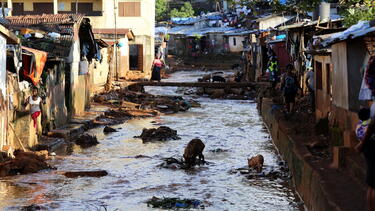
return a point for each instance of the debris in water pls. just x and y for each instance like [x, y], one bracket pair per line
[162, 133]
[76, 174]
[218, 150]
[171, 203]
[87, 140]
[108, 129]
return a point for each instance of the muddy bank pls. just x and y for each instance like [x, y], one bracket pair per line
[24, 163]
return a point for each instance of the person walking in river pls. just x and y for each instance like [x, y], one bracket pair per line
[35, 102]
[289, 87]
[157, 64]
[367, 147]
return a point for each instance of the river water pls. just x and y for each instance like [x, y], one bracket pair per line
[233, 126]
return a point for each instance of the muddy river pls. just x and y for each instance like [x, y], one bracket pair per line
[233, 126]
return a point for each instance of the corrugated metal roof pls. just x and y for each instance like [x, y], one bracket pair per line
[306, 24]
[362, 28]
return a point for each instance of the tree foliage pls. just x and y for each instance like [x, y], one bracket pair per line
[357, 10]
[161, 10]
[185, 11]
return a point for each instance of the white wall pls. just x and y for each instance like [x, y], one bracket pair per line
[236, 46]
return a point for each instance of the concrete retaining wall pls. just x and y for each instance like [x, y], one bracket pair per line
[307, 181]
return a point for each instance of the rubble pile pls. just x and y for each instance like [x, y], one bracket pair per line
[23, 163]
[162, 133]
[137, 103]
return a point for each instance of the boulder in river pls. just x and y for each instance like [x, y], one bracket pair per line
[162, 133]
[87, 140]
[108, 129]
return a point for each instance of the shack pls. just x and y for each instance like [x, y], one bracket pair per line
[6, 38]
[352, 57]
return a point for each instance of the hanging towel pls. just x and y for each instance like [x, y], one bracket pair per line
[33, 65]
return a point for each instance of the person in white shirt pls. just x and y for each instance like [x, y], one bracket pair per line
[35, 108]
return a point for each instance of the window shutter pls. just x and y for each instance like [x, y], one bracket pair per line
[121, 9]
[129, 9]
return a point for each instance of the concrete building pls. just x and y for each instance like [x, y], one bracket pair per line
[115, 21]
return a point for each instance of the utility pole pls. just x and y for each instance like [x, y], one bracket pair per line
[115, 45]
[2, 9]
[76, 6]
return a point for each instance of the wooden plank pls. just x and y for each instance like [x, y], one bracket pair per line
[199, 84]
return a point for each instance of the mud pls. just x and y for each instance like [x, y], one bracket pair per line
[162, 133]
[23, 163]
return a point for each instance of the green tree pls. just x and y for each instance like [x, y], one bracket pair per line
[357, 10]
[185, 11]
[161, 8]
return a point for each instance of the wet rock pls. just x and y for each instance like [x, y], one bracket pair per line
[218, 93]
[162, 133]
[23, 163]
[87, 140]
[174, 203]
[76, 174]
[108, 129]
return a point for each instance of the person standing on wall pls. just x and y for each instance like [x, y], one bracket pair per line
[157, 64]
[289, 87]
[310, 85]
[35, 102]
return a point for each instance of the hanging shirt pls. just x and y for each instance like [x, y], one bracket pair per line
[34, 104]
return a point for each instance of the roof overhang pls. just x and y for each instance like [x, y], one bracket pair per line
[10, 36]
[127, 32]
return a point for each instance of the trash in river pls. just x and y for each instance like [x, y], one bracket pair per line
[173, 163]
[271, 173]
[171, 203]
[162, 133]
[108, 129]
[218, 150]
[193, 150]
[76, 174]
[23, 163]
[87, 140]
